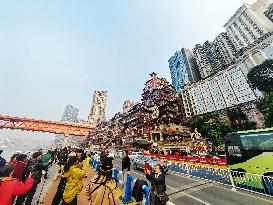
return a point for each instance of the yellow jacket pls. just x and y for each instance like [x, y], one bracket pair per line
[74, 181]
[88, 161]
[103, 194]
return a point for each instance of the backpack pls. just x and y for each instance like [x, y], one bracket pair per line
[138, 191]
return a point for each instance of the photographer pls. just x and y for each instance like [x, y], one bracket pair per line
[62, 156]
[12, 187]
[158, 194]
[19, 167]
[34, 166]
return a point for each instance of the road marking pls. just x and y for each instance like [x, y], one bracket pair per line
[197, 199]
[182, 176]
[218, 185]
[182, 193]
[239, 191]
[193, 186]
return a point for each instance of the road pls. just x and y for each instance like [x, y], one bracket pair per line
[192, 191]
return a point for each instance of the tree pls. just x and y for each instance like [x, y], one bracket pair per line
[212, 126]
[261, 76]
[218, 130]
[266, 107]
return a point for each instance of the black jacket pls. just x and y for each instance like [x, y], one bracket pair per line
[126, 163]
[35, 166]
[138, 191]
[158, 181]
[103, 155]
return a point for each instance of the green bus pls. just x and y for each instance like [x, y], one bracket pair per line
[250, 158]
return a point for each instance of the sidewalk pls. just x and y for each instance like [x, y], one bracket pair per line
[47, 200]
[45, 185]
[82, 199]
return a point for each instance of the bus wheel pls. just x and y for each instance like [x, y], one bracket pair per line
[267, 181]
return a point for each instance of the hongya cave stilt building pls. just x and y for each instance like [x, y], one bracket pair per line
[157, 120]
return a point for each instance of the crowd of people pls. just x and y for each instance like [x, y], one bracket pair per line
[21, 175]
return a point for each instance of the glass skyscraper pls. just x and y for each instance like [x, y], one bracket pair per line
[183, 69]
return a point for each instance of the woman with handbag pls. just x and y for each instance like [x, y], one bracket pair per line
[158, 194]
[102, 189]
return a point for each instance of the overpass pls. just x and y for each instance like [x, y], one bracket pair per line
[27, 124]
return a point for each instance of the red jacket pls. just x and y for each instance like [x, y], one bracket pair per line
[19, 169]
[10, 188]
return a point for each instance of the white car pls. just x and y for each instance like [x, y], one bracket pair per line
[140, 162]
[118, 154]
[134, 155]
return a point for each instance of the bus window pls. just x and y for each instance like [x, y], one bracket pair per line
[259, 141]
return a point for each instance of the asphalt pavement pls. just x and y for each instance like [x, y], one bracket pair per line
[183, 190]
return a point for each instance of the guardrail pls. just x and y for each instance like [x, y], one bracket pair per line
[128, 191]
[128, 186]
[193, 159]
[236, 180]
[253, 182]
[95, 164]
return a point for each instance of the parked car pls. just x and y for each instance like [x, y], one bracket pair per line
[119, 154]
[140, 161]
[134, 155]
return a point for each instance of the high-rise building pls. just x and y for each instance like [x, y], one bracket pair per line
[269, 12]
[191, 65]
[248, 24]
[183, 69]
[263, 51]
[97, 113]
[224, 50]
[212, 56]
[225, 89]
[228, 87]
[70, 114]
[202, 60]
[261, 6]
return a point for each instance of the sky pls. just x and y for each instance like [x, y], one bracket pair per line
[54, 53]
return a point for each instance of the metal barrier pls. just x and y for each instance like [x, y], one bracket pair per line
[92, 161]
[237, 180]
[95, 164]
[128, 191]
[253, 182]
[116, 176]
